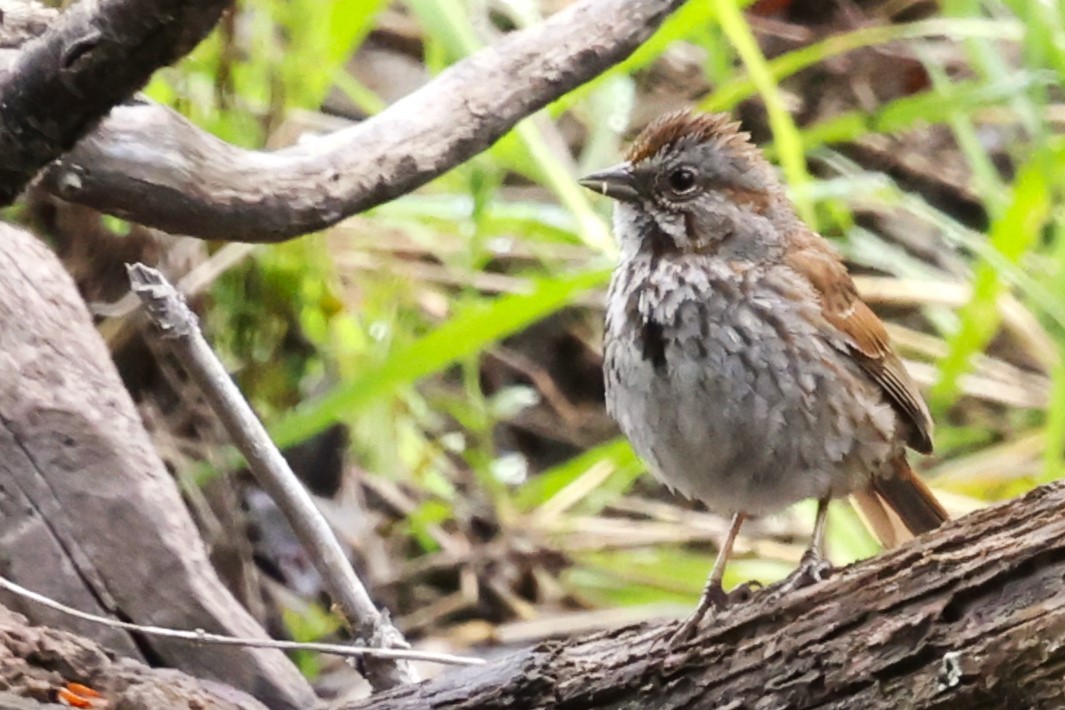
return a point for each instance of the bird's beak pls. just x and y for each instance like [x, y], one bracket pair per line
[617, 182]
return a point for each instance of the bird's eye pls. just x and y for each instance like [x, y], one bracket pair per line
[682, 180]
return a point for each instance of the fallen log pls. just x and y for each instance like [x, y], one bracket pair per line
[969, 616]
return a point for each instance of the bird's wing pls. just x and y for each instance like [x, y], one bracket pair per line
[861, 332]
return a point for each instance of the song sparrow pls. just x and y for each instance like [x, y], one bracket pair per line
[740, 361]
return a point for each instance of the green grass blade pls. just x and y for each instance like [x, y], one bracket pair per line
[924, 108]
[448, 21]
[1012, 234]
[786, 136]
[740, 88]
[470, 331]
[540, 489]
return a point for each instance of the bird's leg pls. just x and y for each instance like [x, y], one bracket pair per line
[714, 595]
[814, 567]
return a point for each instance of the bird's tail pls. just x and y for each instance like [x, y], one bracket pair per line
[899, 507]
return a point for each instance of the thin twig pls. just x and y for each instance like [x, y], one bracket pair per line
[168, 310]
[201, 636]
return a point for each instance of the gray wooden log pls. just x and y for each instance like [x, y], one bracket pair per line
[88, 513]
[969, 616]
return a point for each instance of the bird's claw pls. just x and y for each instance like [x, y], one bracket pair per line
[714, 598]
[813, 568]
[742, 593]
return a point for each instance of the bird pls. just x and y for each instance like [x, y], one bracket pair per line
[739, 359]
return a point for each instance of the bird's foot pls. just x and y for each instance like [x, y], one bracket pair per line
[714, 598]
[813, 568]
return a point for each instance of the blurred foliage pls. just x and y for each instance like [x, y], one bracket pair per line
[386, 323]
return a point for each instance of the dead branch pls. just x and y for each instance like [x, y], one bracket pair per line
[181, 328]
[94, 55]
[199, 636]
[149, 165]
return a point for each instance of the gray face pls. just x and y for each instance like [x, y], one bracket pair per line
[695, 197]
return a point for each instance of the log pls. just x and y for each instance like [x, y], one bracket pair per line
[36, 662]
[969, 616]
[89, 515]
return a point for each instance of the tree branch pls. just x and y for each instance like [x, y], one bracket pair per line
[149, 165]
[179, 325]
[93, 56]
[972, 615]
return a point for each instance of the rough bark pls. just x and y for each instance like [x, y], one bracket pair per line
[970, 616]
[91, 57]
[88, 513]
[147, 164]
[36, 662]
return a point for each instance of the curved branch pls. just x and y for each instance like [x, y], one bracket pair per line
[90, 58]
[970, 616]
[149, 165]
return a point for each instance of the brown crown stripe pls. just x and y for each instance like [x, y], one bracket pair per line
[671, 127]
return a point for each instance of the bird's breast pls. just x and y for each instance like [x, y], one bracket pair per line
[729, 391]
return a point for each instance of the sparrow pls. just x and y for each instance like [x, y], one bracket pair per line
[739, 359]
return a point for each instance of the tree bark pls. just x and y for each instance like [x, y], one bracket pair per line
[969, 616]
[94, 55]
[88, 513]
[36, 662]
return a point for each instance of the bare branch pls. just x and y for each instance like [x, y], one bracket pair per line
[93, 56]
[149, 165]
[169, 311]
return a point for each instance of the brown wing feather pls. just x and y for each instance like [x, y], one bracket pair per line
[863, 333]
